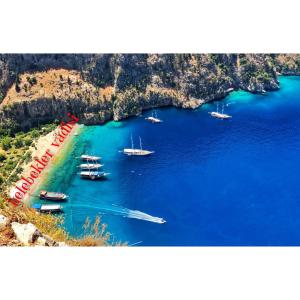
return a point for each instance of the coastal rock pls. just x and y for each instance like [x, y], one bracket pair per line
[193, 103]
[25, 233]
[3, 222]
[41, 241]
[62, 244]
[100, 87]
[49, 241]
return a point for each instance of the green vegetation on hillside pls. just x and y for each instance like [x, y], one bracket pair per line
[15, 150]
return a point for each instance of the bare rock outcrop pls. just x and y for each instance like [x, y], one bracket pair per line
[29, 235]
[36, 88]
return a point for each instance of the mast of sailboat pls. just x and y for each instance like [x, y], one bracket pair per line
[217, 106]
[223, 109]
[140, 143]
[131, 142]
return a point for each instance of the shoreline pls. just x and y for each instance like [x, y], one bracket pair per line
[42, 144]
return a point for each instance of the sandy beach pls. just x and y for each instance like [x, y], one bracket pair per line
[41, 145]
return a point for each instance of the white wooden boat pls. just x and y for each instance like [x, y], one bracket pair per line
[48, 208]
[93, 175]
[90, 166]
[90, 158]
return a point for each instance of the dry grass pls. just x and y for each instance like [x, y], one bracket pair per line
[55, 84]
[95, 234]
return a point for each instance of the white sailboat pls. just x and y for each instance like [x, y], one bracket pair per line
[220, 115]
[153, 119]
[136, 152]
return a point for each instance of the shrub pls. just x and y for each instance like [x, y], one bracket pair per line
[2, 156]
[19, 142]
[28, 141]
[27, 156]
[34, 133]
[6, 143]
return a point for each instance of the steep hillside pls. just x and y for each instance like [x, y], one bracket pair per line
[35, 89]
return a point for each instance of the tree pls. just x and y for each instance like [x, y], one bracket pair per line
[34, 133]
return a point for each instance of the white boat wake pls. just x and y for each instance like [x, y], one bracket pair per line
[126, 213]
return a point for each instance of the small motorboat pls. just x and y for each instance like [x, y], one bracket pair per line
[90, 166]
[93, 175]
[90, 158]
[51, 196]
[48, 208]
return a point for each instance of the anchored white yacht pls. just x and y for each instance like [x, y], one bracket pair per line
[220, 115]
[153, 118]
[136, 152]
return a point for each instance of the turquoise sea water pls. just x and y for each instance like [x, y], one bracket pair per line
[216, 182]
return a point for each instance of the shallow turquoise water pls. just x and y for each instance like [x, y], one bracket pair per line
[215, 182]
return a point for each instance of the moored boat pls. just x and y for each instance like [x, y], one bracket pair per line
[153, 119]
[93, 175]
[136, 152]
[220, 115]
[90, 158]
[51, 196]
[90, 166]
[48, 208]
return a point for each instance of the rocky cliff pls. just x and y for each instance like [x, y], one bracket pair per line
[98, 87]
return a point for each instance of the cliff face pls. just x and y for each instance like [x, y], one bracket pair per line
[98, 87]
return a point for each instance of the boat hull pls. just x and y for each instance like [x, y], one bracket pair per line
[90, 158]
[137, 152]
[51, 208]
[90, 166]
[220, 116]
[153, 120]
[93, 176]
[50, 196]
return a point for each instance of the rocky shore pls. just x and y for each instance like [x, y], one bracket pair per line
[36, 89]
[26, 234]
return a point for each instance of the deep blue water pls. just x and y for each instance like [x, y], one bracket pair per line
[216, 182]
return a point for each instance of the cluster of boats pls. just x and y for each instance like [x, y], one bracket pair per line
[50, 196]
[90, 169]
[140, 151]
